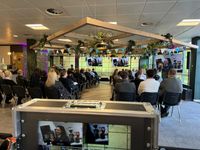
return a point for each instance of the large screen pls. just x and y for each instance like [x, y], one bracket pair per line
[123, 61]
[94, 61]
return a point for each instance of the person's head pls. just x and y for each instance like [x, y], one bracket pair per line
[150, 73]
[69, 72]
[2, 75]
[63, 73]
[115, 72]
[124, 75]
[172, 73]
[8, 74]
[52, 77]
[60, 130]
[20, 72]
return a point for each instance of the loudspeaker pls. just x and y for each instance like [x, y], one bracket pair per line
[188, 60]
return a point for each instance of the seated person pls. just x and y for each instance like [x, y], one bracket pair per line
[21, 80]
[137, 81]
[53, 82]
[8, 78]
[170, 84]
[150, 84]
[124, 86]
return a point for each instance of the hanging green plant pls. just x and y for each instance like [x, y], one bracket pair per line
[44, 41]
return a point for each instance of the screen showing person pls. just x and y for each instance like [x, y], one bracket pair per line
[59, 134]
[94, 61]
[123, 61]
[96, 133]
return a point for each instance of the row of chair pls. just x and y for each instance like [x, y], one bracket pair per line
[169, 99]
[17, 91]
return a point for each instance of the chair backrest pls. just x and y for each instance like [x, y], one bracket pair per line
[171, 99]
[52, 92]
[125, 96]
[6, 89]
[149, 97]
[19, 91]
[5, 145]
[35, 92]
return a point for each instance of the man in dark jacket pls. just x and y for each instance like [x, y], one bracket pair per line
[170, 84]
[125, 86]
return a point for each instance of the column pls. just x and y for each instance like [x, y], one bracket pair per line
[195, 69]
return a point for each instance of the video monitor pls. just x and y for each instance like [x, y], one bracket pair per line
[94, 61]
[96, 134]
[121, 62]
[52, 135]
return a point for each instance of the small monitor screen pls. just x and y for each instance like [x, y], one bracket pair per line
[57, 134]
[123, 61]
[96, 134]
[94, 61]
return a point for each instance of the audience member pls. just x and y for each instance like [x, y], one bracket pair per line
[166, 67]
[141, 74]
[35, 78]
[124, 86]
[170, 84]
[8, 78]
[137, 81]
[150, 84]
[21, 80]
[53, 82]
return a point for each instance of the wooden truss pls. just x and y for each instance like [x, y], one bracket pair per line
[126, 32]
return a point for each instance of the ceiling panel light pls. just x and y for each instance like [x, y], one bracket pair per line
[15, 35]
[65, 40]
[37, 26]
[112, 22]
[189, 22]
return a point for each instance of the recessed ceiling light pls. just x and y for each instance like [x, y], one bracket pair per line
[189, 22]
[37, 26]
[65, 40]
[144, 24]
[15, 35]
[9, 53]
[53, 11]
[112, 22]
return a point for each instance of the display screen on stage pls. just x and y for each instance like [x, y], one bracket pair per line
[83, 136]
[94, 61]
[123, 61]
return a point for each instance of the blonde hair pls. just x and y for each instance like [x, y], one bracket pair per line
[2, 74]
[51, 78]
[8, 74]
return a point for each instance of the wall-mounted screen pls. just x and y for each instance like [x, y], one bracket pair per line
[94, 61]
[123, 61]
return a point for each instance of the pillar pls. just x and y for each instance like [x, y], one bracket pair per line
[195, 69]
[31, 57]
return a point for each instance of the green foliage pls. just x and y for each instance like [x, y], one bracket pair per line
[44, 41]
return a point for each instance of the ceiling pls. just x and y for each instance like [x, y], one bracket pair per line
[164, 14]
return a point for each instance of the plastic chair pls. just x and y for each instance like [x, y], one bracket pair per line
[6, 91]
[149, 97]
[125, 96]
[19, 92]
[35, 92]
[172, 99]
[52, 93]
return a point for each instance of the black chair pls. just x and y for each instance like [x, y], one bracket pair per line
[19, 92]
[35, 92]
[149, 97]
[125, 96]
[6, 93]
[172, 99]
[52, 93]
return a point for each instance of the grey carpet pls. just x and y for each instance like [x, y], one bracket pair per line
[185, 134]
